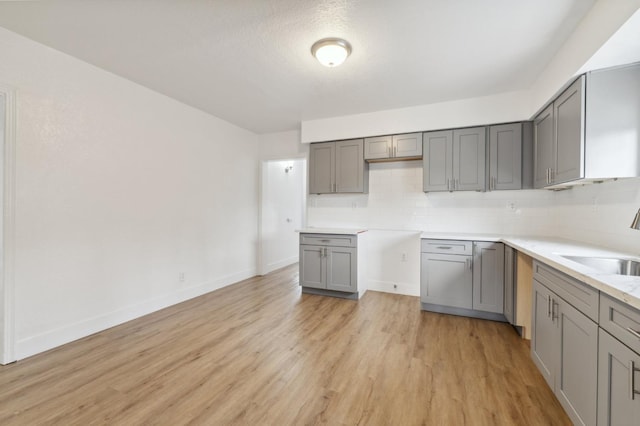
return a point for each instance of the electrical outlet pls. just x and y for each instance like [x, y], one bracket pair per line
[181, 277]
[404, 257]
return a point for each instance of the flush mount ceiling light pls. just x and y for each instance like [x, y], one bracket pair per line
[331, 52]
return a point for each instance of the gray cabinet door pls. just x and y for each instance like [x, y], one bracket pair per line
[544, 334]
[312, 267]
[377, 148]
[446, 280]
[407, 145]
[437, 161]
[322, 167]
[469, 159]
[341, 269]
[505, 157]
[569, 134]
[488, 277]
[509, 284]
[543, 147]
[576, 376]
[349, 166]
[616, 404]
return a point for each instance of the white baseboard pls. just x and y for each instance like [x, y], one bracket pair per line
[50, 339]
[400, 288]
[280, 264]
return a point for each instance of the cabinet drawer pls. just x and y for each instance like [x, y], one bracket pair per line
[621, 320]
[447, 247]
[329, 240]
[580, 295]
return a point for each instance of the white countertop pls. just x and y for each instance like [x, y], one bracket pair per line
[461, 236]
[549, 251]
[337, 231]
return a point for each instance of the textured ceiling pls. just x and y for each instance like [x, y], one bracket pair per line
[248, 62]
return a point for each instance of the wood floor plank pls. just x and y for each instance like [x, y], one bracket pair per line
[260, 352]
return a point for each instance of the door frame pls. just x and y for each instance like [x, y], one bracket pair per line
[7, 228]
[262, 267]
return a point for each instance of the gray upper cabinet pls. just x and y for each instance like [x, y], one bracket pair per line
[578, 137]
[488, 277]
[454, 160]
[396, 147]
[377, 148]
[322, 167]
[543, 147]
[407, 146]
[469, 159]
[338, 167]
[505, 156]
[568, 112]
[437, 161]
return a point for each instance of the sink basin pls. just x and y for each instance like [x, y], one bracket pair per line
[609, 265]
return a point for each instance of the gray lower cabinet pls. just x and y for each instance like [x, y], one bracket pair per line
[446, 280]
[559, 138]
[564, 347]
[462, 278]
[329, 263]
[488, 277]
[338, 167]
[618, 383]
[618, 363]
[510, 284]
[454, 160]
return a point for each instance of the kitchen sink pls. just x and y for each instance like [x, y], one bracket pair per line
[609, 265]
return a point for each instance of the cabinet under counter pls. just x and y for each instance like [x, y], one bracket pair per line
[333, 264]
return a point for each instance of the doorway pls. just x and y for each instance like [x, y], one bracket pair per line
[282, 211]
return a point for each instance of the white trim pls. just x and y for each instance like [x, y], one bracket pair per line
[7, 228]
[50, 339]
[280, 264]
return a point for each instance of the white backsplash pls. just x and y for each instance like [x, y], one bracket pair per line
[598, 214]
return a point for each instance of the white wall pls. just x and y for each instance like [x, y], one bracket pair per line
[601, 23]
[499, 108]
[119, 191]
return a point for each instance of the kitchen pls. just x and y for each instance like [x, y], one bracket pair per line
[58, 227]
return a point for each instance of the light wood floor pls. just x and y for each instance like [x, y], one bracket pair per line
[260, 353]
